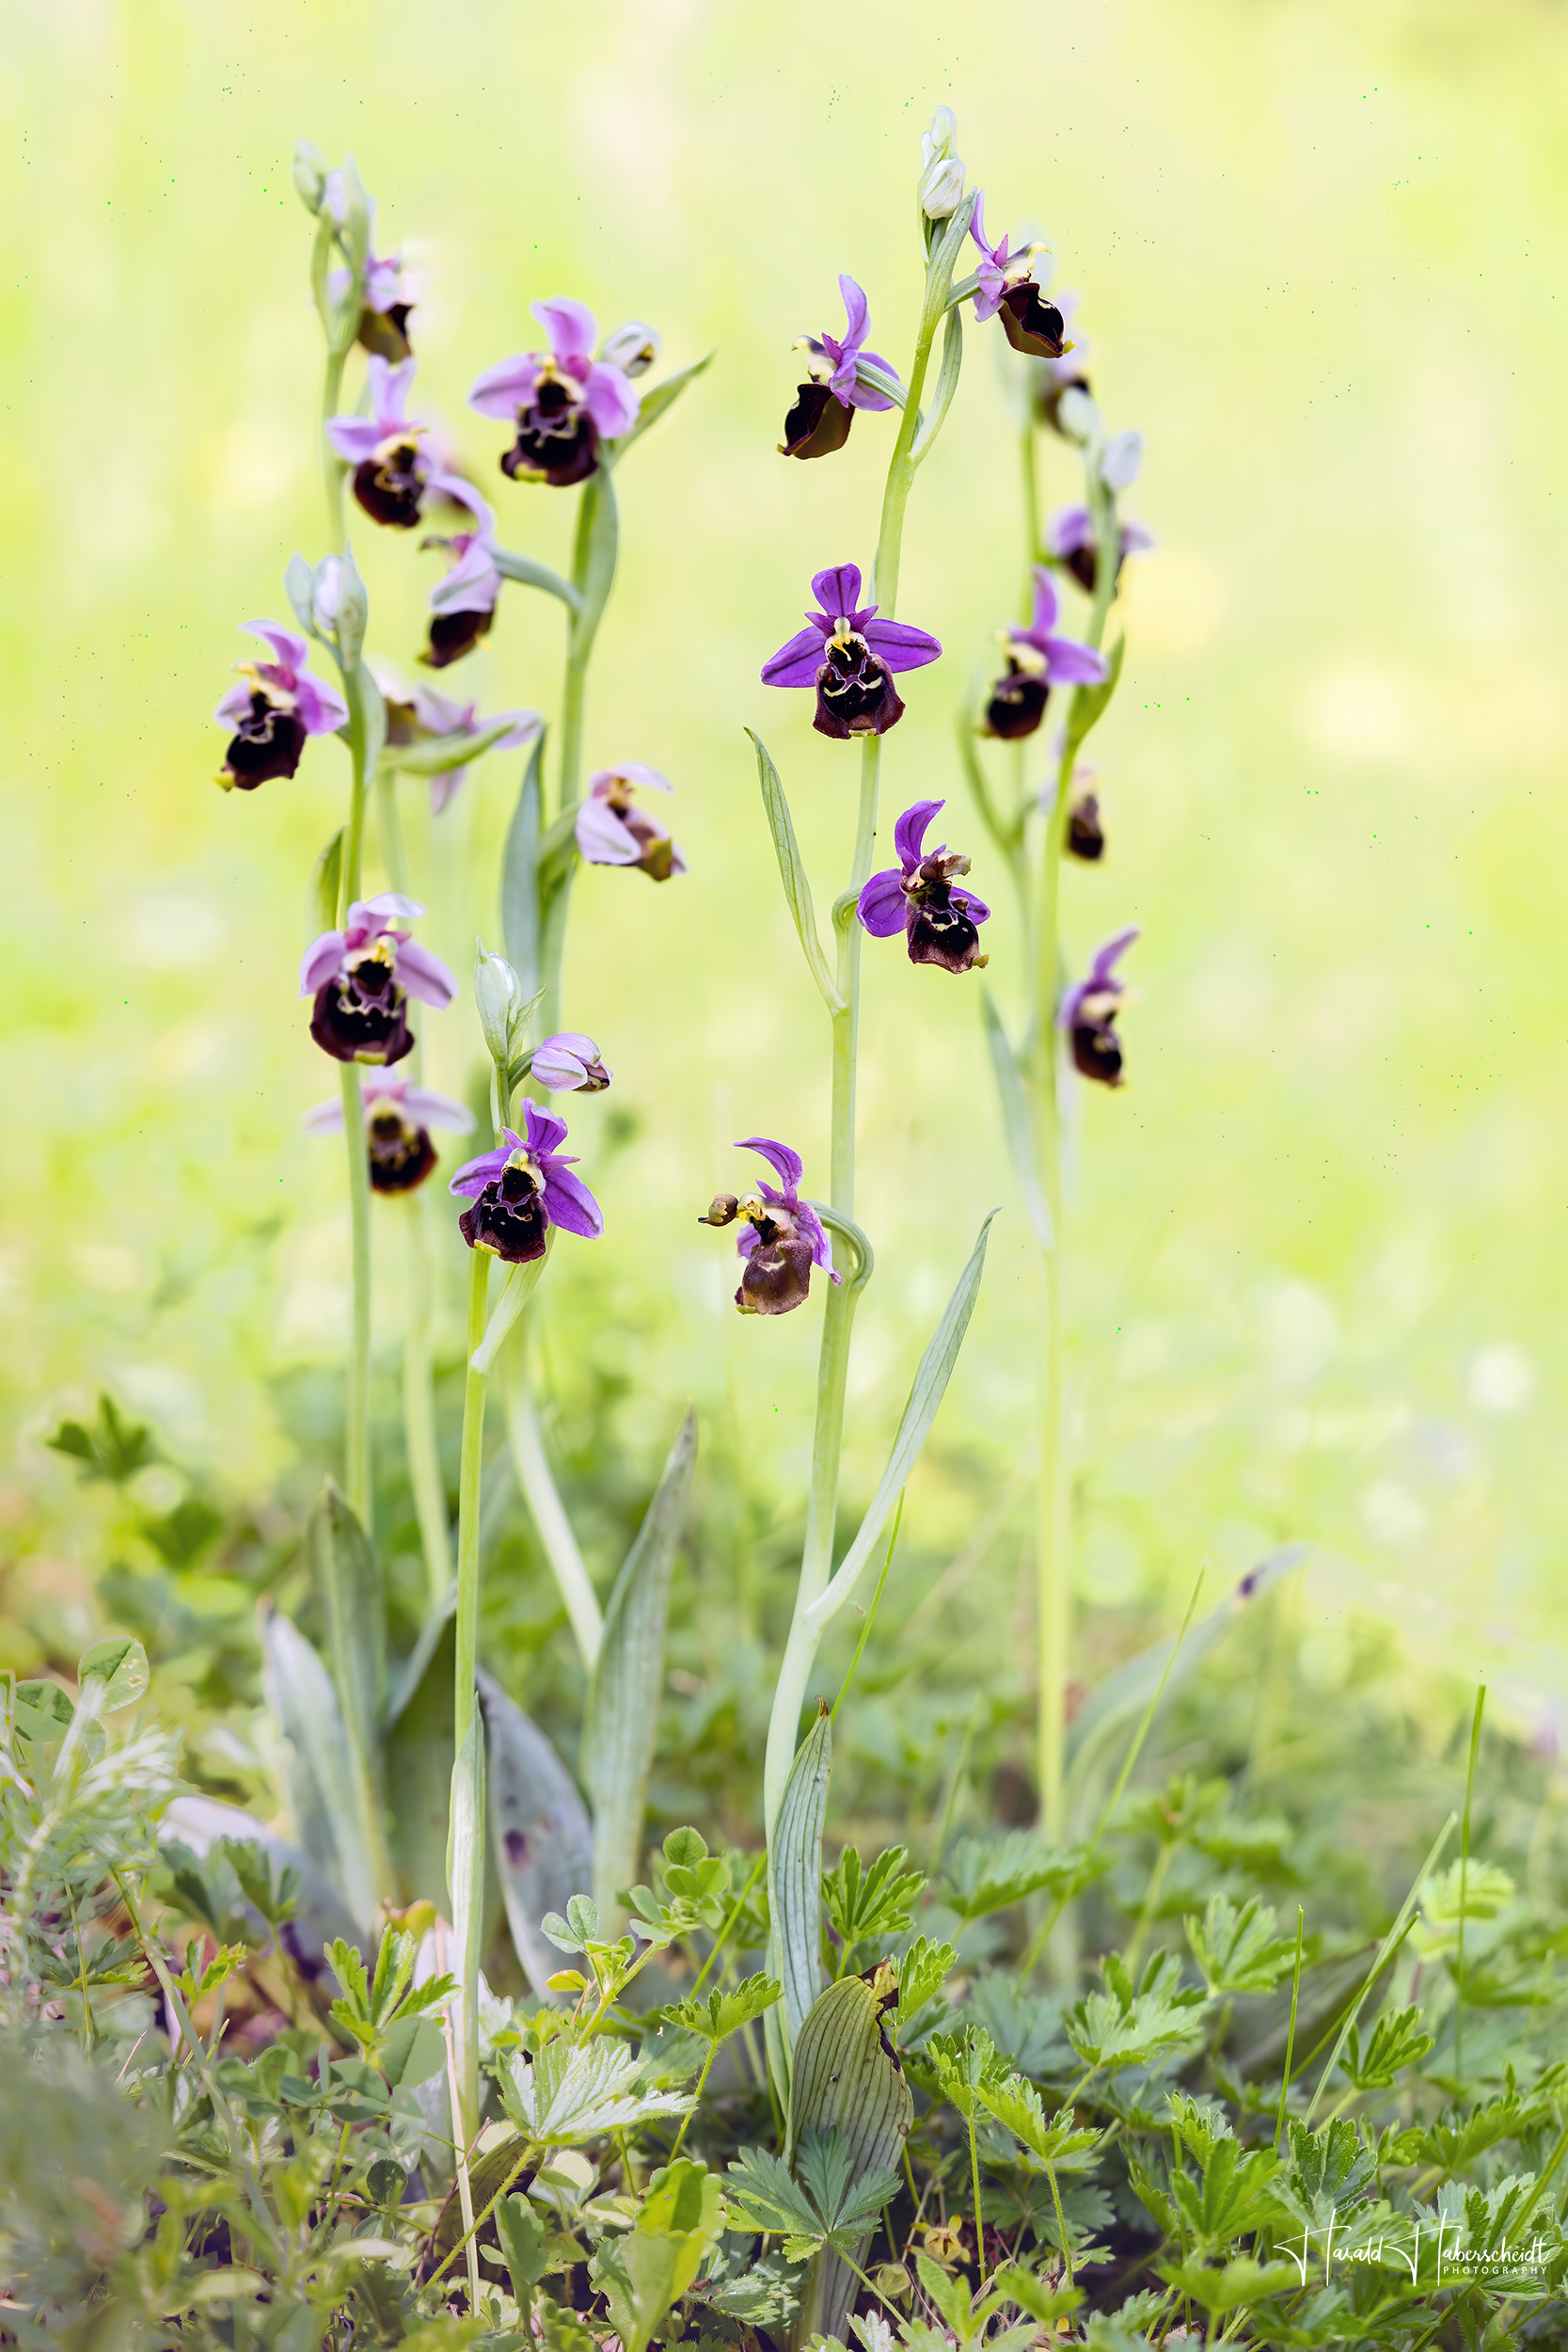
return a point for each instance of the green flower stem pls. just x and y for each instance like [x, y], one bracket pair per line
[418, 1409]
[581, 632]
[469, 1901]
[418, 1380]
[1030, 476]
[1053, 1564]
[357, 1421]
[839, 1313]
[333, 466]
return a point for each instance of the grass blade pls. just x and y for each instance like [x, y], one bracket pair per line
[792, 873]
[1016, 1121]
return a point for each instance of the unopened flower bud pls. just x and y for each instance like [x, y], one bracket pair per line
[499, 995]
[942, 171]
[720, 1210]
[327, 590]
[632, 348]
[1119, 460]
[309, 175]
[1077, 418]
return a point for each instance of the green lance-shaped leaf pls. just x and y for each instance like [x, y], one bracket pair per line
[1017, 1125]
[947, 384]
[622, 1723]
[659, 398]
[795, 1883]
[416, 1750]
[846, 2078]
[353, 1602]
[119, 1666]
[520, 917]
[792, 873]
[931, 1386]
[1095, 1740]
[318, 1766]
[528, 574]
[539, 1829]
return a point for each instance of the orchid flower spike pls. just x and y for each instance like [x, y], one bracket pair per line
[563, 402]
[275, 710]
[391, 471]
[569, 1064]
[1007, 287]
[398, 1119]
[1070, 537]
[784, 1237]
[611, 832]
[417, 714]
[1088, 1012]
[462, 606]
[1037, 661]
[522, 1188]
[849, 657]
[363, 977]
[917, 896]
[826, 403]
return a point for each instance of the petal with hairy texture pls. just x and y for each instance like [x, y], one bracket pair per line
[786, 1165]
[882, 906]
[795, 663]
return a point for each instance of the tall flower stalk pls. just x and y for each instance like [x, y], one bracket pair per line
[944, 237]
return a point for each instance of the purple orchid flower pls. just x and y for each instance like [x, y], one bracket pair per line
[784, 1237]
[361, 979]
[522, 1188]
[1070, 536]
[826, 403]
[1037, 660]
[417, 714]
[275, 711]
[398, 1119]
[462, 606]
[1007, 288]
[1089, 1009]
[917, 896]
[849, 657]
[570, 1064]
[391, 472]
[563, 402]
[383, 327]
[611, 832]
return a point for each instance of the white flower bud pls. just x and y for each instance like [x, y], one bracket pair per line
[326, 593]
[351, 606]
[1077, 415]
[940, 139]
[632, 348]
[1119, 460]
[309, 175]
[499, 995]
[942, 189]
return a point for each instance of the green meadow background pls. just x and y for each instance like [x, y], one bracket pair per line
[1317, 1242]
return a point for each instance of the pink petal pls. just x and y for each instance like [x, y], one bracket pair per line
[570, 1204]
[909, 832]
[882, 906]
[634, 772]
[1068, 663]
[543, 1132]
[507, 387]
[602, 838]
[320, 960]
[425, 975]
[353, 437]
[569, 326]
[786, 1165]
[438, 1110]
[289, 651]
[612, 400]
[797, 663]
[322, 709]
[899, 646]
[837, 591]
